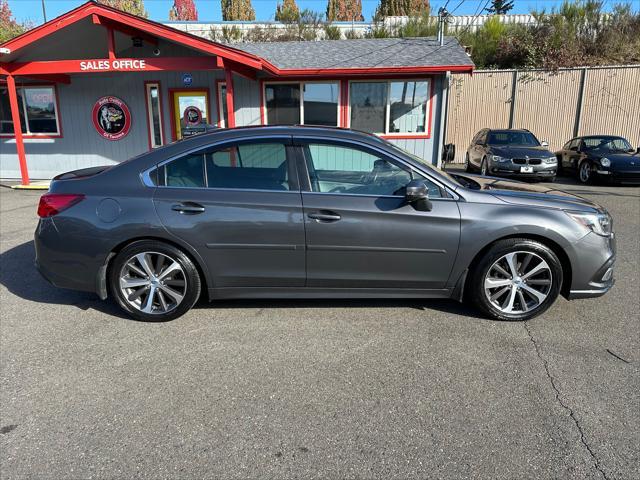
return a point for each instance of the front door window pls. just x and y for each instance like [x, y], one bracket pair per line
[191, 112]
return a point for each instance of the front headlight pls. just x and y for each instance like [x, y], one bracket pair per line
[499, 159]
[600, 223]
[605, 162]
[550, 160]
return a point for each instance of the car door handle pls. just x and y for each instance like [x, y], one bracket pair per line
[188, 208]
[324, 216]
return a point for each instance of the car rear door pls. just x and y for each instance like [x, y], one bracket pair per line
[238, 204]
[360, 231]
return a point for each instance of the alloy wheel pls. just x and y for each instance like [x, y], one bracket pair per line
[518, 282]
[585, 172]
[153, 283]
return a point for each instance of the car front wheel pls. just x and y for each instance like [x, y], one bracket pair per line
[584, 172]
[154, 281]
[484, 169]
[467, 164]
[517, 279]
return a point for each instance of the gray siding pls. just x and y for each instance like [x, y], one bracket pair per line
[81, 146]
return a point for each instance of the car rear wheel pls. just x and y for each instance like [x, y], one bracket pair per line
[154, 281]
[517, 279]
[584, 172]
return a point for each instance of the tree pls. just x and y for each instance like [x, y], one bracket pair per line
[237, 10]
[9, 28]
[500, 7]
[402, 8]
[287, 11]
[344, 11]
[183, 10]
[134, 7]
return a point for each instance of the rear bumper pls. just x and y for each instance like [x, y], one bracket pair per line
[58, 261]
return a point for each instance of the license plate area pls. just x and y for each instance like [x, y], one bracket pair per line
[526, 169]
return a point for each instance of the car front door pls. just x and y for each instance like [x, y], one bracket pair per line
[239, 206]
[361, 233]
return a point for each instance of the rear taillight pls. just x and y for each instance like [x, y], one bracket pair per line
[53, 203]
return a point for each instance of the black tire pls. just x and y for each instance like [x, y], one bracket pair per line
[189, 276]
[549, 179]
[476, 284]
[467, 164]
[484, 168]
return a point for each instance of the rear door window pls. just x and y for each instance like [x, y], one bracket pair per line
[249, 166]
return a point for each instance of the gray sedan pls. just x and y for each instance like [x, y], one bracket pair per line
[302, 212]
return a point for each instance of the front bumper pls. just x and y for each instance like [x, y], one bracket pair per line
[509, 169]
[620, 176]
[592, 275]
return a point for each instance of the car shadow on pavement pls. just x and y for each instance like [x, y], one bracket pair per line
[19, 275]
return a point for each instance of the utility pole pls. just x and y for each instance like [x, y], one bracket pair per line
[443, 14]
[44, 12]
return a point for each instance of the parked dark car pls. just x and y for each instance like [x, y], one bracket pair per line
[604, 157]
[306, 212]
[510, 153]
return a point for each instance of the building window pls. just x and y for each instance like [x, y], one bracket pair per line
[37, 104]
[223, 114]
[307, 103]
[154, 112]
[390, 107]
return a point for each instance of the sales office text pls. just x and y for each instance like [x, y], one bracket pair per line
[125, 64]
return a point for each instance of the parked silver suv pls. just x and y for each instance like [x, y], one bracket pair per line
[511, 153]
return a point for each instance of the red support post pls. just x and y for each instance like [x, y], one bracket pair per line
[231, 113]
[111, 44]
[17, 128]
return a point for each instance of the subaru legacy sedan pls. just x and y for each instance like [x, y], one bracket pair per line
[312, 212]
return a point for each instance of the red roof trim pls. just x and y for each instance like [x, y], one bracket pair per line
[148, 26]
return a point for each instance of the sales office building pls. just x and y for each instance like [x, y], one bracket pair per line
[97, 86]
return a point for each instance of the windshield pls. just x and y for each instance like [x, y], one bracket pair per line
[513, 138]
[424, 163]
[609, 144]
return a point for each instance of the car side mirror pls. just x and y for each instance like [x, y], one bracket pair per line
[449, 153]
[417, 195]
[545, 144]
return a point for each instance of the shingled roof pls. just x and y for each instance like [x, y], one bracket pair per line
[367, 53]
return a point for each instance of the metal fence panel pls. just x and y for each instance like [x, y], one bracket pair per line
[611, 103]
[481, 100]
[546, 104]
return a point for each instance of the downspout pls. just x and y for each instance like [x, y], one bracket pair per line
[443, 118]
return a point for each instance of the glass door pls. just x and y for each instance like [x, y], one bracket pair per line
[190, 112]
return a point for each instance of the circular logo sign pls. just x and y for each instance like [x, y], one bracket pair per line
[192, 116]
[111, 118]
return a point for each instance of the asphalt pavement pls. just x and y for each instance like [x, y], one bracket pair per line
[317, 389]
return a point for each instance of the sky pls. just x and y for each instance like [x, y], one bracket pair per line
[209, 10]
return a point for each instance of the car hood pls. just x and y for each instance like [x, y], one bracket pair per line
[521, 193]
[512, 151]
